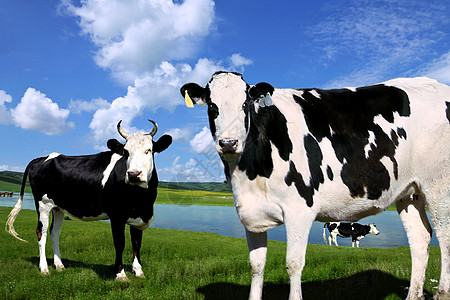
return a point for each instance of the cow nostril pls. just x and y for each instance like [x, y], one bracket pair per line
[228, 145]
[133, 176]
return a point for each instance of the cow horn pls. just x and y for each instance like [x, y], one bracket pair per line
[121, 131]
[155, 128]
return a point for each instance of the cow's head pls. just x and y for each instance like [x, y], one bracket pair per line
[228, 98]
[373, 229]
[139, 150]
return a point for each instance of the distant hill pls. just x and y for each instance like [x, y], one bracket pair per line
[196, 186]
[15, 178]
[12, 181]
[11, 177]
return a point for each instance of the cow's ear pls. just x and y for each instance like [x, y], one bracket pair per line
[115, 146]
[162, 144]
[260, 89]
[194, 94]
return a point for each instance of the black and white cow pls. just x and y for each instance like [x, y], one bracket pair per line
[119, 185]
[293, 156]
[354, 230]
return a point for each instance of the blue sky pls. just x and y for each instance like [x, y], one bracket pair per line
[70, 70]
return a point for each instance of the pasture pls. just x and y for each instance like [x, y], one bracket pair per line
[194, 265]
[193, 197]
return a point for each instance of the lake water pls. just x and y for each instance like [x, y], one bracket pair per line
[224, 221]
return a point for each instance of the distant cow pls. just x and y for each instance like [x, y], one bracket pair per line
[354, 230]
[2, 194]
[9, 194]
[293, 156]
[119, 185]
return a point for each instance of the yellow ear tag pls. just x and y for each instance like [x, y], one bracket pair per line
[188, 100]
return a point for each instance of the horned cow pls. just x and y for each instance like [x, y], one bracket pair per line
[120, 185]
[293, 156]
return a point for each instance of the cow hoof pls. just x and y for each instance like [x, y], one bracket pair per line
[59, 267]
[121, 276]
[140, 274]
[45, 272]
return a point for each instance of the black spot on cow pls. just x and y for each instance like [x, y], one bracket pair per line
[213, 113]
[394, 137]
[346, 118]
[267, 126]
[305, 191]
[401, 133]
[330, 173]
[226, 169]
[447, 111]
[315, 158]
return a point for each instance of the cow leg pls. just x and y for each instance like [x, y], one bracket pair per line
[45, 207]
[335, 239]
[418, 231]
[257, 246]
[353, 243]
[297, 239]
[58, 218]
[443, 236]
[136, 241]
[118, 232]
[440, 217]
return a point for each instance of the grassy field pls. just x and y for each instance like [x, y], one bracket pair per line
[186, 197]
[179, 197]
[166, 195]
[194, 265]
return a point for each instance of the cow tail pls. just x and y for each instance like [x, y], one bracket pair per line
[17, 208]
[324, 233]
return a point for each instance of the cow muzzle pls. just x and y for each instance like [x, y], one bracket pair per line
[134, 176]
[228, 146]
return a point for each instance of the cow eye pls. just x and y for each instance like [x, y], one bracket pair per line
[148, 151]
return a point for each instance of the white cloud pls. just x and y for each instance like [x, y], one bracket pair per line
[37, 112]
[204, 166]
[135, 36]
[180, 134]
[383, 28]
[439, 69]
[143, 44]
[375, 40]
[203, 142]
[193, 170]
[11, 168]
[238, 62]
[5, 117]
[79, 106]
[153, 90]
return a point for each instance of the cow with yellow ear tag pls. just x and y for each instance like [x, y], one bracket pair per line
[293, 156]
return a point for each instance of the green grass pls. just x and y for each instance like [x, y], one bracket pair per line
[193, 265]
[192, 197]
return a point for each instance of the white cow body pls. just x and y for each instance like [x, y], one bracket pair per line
[359, 165]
